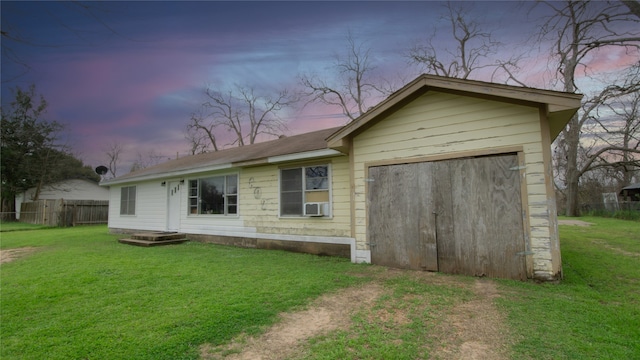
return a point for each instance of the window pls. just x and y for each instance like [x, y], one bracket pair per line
[214, 195]
[300, 185]
[128, 200]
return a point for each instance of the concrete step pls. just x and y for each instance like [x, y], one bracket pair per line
[147, 243]
[158, 236]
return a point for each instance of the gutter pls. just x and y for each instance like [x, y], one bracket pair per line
[163, 175]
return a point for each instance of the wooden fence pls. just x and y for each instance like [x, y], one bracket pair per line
[62, 212]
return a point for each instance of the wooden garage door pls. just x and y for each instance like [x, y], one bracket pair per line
[461, 216]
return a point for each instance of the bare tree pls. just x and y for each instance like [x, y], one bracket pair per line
[354, 87]
[239, 111]
[475, 49]
[113, 151]
[201, 132]
[615, 130]
[146, 160]
[610, 131]
[577, 30]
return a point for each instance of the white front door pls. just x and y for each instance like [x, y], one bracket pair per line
[175, 201]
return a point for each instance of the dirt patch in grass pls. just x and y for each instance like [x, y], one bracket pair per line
[474, 329]
[605, 245]
[286, 338]
[574, 222]
[9, 255]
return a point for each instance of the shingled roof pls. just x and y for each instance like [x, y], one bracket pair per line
[311, 144]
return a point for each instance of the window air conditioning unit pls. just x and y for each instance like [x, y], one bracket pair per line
[316, 209]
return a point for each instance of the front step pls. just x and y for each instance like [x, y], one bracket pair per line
[155, 238]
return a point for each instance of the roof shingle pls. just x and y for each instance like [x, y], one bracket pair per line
[284, 146]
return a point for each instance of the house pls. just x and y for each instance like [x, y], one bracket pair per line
[71, 189]
[444, 175]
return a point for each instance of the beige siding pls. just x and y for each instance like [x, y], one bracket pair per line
[440, 124]
[259, 199]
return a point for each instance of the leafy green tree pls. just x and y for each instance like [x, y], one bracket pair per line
[30, 148]
[70, 167]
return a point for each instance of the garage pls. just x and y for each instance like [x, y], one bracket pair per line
[456, 216]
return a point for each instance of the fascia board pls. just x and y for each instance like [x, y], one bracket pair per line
[165, 175]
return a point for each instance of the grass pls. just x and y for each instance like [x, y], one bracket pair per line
[633, 215]
[18, 226]
[594, 313]
[83, 295]
[401, 325]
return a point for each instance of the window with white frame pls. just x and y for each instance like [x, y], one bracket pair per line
[214, 195]
[303, 185]
[128, 200]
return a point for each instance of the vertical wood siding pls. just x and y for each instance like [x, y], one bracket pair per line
[459, 216]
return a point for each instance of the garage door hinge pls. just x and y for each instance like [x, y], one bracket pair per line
[522, 167]
[524, 253]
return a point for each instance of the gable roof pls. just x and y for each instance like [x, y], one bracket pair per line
[304, 146]
[560, 106]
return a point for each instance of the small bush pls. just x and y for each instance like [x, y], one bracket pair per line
[632, 215]
[627, 215]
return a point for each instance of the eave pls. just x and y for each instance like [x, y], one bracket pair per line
[303, 156]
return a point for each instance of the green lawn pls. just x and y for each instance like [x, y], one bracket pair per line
[594, 313]
[82, 295]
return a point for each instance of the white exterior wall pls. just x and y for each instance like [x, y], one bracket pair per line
[74, 189]
[258, 208]
[151, 207]
[440, 124]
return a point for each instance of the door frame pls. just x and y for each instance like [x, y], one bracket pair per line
[174, 188]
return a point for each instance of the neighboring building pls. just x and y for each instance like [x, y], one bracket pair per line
[72, 189]
[631, 192]
[444, 175]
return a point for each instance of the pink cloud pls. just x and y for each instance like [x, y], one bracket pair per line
[611, 59]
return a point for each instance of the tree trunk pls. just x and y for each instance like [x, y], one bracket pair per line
[8, 207]
[572, 193]
[572, 139]
[36, 194]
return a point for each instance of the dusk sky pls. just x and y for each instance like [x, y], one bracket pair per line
[133, 72]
